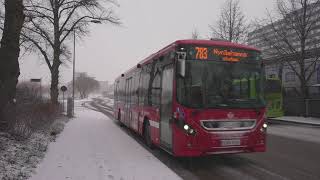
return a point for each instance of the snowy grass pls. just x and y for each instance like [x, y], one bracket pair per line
[19, 157]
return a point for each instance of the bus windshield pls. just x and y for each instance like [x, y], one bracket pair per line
[216, 84]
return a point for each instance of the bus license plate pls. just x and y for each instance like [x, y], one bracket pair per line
[230, 142]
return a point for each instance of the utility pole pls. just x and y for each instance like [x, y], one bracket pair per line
[74, 62]
[73, 68]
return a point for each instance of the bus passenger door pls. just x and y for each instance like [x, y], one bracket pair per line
[166, 107]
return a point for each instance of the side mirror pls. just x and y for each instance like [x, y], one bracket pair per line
[181, 67]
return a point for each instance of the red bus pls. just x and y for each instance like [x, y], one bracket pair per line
[195, 98]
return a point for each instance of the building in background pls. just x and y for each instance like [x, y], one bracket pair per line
[272, 60]
[281, 41]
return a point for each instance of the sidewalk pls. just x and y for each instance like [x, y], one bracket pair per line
[298, 120]
[94, 147]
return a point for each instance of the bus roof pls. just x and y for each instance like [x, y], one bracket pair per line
[199, 43]
[172, 46]
[216, 43]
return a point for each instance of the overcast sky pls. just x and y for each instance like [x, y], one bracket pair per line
[148, 25]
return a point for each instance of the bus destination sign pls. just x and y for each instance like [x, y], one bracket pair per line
[220, 53]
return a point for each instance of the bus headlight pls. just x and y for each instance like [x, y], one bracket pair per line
[183, 125]
[265, 126]
[189, 130]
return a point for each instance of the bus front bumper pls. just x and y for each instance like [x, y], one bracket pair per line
[209, 143]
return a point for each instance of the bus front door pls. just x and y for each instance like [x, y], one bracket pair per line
[166, 107]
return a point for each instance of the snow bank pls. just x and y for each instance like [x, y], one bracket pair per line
[93, 147]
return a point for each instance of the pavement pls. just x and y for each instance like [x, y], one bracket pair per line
[94, 147]
[313, 121]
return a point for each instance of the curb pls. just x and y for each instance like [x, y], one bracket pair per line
[281, 121]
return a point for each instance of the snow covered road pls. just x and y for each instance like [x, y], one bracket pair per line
[93, 147]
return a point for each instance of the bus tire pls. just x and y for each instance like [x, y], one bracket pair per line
[147, 134]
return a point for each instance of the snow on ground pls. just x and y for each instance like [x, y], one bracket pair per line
[19, 158]
[107, 101]
[110, 102]
[93, 147]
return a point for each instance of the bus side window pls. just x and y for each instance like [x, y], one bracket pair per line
[156, 90]
[140, 89]
[116, 91]
[135, 88]
[146, 79]
[122, 91]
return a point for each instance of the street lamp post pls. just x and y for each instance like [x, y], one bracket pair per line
[74, 62]
[73, 68]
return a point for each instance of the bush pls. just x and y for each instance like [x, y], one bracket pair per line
[30, 113]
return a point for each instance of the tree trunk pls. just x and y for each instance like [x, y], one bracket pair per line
[303, 86]
[54, 90]
[9, 52]
[280, 70]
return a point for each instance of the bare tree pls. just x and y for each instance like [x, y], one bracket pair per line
[195, 34]
[292, 39]
[86, 85]
[9, 51]
[50, 24]
[232, 24]
[1, 16]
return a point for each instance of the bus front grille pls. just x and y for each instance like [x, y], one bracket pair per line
[220, 125]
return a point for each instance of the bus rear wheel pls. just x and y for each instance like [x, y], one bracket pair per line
[147, 135]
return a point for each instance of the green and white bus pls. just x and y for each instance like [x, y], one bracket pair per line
[273, 97]
[273, 93]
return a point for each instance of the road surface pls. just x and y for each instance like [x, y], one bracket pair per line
[293, 153]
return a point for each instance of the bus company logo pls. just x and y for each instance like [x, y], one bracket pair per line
[230, 115]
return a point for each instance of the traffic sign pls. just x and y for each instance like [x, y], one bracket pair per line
[63, 88]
